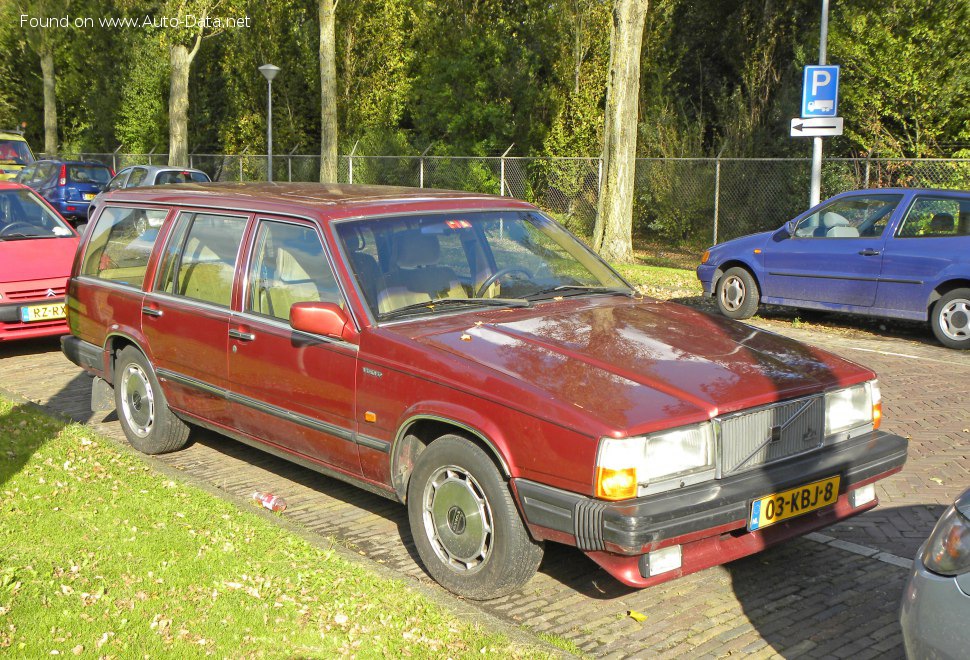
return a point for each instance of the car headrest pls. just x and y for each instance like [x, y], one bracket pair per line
[942, 222]
[415, 249]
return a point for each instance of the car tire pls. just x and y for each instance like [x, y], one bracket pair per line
[465, 524]
[737, 294]
[950, 319]
[150, 426]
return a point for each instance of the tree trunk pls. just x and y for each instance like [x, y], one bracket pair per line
[328, 93]
[613, 232]
[178, 105]
[50, 100]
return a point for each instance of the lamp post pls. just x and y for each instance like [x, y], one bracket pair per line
[269, 72]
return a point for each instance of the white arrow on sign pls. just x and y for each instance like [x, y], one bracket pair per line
[816, 127]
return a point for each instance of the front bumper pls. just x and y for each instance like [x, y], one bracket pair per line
[934, 614]
[705, 273]
[12, 327]
[711, 516]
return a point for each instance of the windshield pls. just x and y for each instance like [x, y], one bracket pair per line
[421, 264]
[15, 152]
[23, 215]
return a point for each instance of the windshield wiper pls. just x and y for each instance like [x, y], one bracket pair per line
[432, 306]
[565, 290]
[20, 237]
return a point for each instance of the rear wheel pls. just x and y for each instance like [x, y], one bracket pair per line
[950, 319]
[465, 524]
[150, 426]
[737, 294]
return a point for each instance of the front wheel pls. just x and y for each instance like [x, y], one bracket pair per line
[737, 294]
[465, 524]
[950, 319]
[150, 426]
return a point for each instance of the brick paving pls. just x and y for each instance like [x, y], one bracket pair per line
[831, 595]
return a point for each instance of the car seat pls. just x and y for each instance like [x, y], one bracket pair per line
[416, 276]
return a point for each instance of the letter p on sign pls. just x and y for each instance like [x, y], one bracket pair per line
[820, 78]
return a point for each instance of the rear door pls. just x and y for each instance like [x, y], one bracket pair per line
[931, 244]
[835, 254]
[185, 319]
[291, 389]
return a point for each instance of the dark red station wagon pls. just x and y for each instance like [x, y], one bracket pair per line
[467, 356]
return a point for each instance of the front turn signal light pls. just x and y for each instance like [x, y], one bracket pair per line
[616, 484]
[705, 256]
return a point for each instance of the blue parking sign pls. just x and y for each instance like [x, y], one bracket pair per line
[820, 91]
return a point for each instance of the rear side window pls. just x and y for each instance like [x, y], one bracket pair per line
[180, 177]
[121, 244]
[88, 174]
[936, 217]
[200, 260]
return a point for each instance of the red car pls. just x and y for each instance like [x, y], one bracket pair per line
[36, 250]
[467, 356]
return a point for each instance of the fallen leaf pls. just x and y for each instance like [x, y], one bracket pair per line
[637, 616]
[936, 480]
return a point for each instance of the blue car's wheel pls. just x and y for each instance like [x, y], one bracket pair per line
[737, 294]
[951, 319]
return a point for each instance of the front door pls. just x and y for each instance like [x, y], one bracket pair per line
[291, 389]
[834, 255]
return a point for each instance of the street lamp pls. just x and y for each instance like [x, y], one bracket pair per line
[269, 72]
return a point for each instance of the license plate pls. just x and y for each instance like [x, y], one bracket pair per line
[791, 503]
[88, 196]
[42, 312]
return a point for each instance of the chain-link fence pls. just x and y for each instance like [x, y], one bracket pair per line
[687, 201]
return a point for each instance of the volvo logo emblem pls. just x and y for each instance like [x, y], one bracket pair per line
[50, 293]
[456, 520]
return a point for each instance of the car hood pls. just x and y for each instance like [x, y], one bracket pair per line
[36, 259]
[638, 365]
[735, 246]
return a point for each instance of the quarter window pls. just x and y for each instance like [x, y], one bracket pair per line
[936, 217]
[853, 217]
[200, 259]
[121, 244]
[288, 266]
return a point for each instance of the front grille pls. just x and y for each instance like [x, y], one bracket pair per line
[34, 294]
[753, 438]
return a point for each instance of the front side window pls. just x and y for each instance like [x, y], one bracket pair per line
[121, 243]
[200, 259]
[936, 217]
[423, 263]
[853, 217]
[24, 215]
[288, 266]
[138, 176]
[118, 181]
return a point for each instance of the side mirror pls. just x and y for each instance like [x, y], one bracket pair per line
[322, 318]
[790, 227]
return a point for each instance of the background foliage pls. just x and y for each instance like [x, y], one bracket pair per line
[472, 77]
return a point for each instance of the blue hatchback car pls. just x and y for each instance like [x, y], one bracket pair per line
[894, 252]
[69, 185]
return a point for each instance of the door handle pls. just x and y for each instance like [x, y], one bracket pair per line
[151, 311]
[869, 252]
[242, 336]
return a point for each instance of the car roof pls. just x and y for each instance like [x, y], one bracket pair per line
[11, 185]
[322, 200]
[902, 191]
[58, 161]
[12, 135]
[154, 169]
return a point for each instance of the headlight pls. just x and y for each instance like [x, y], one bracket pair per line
[947, 551]
[852, 407]
[623, 465]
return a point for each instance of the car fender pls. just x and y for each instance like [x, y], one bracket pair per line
[954, 276]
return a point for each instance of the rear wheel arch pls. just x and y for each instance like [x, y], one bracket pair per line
[944, 288]
[417, 432]
[113, 345]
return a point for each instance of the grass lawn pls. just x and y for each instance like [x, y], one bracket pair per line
[104, 557]
[661, 281]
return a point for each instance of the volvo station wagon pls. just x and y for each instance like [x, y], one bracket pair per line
[467, 356]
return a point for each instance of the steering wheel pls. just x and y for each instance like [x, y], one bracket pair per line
[13, 225]
[501, 272]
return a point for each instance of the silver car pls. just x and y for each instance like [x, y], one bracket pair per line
[149, 175]
[935, 612]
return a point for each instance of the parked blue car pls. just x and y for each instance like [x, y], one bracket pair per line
[69, 185]
[892, 252]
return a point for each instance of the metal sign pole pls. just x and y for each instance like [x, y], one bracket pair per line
[815, 194]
